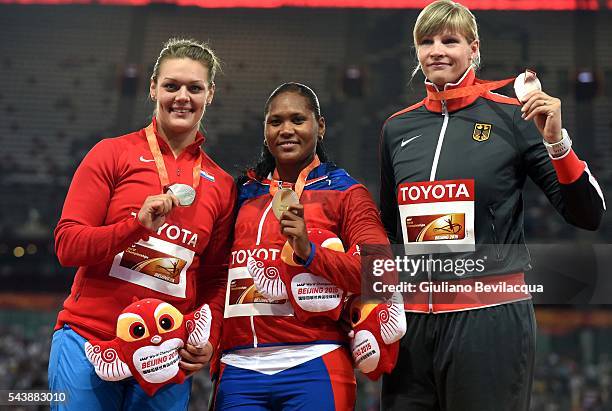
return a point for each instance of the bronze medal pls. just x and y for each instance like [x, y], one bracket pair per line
[282, 200]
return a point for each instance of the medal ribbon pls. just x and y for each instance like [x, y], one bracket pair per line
[159, 160]
[468, 90]
[277, 184]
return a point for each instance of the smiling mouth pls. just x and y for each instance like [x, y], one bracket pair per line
[288, 143]
[180, 110]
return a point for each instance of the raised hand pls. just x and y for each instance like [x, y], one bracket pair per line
[153, 212]
[293, 226]
[545, 111]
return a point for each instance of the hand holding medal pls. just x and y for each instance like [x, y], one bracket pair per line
[290, 213]
[153, 212]
[545, 110]
[293, 226]
[183, 192]
[155, 208]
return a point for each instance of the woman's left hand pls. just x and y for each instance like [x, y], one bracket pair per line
[545, 111]
[293, 227]
[193, 359]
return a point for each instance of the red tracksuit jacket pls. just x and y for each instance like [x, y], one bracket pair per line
[333, 201]
[98, 232]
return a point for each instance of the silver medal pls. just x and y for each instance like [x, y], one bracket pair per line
[523, 87]
[185, 193]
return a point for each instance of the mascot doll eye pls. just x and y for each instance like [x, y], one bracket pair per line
[168, 318]
[166, 322]
[137, 330]
[131, 327]
[360, 312]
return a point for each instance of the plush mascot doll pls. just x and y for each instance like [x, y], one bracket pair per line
[310, 295]
[150, 333]
[375, 335]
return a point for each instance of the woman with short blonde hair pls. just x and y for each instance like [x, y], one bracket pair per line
[474, 150]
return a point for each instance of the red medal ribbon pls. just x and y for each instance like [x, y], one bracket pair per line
[276, 183]
[468, 90]
[159, 160]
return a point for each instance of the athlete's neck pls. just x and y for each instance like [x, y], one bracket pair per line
[291, 172]
[177, 141]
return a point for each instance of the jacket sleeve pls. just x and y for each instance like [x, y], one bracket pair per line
[567, 182]
[388, 198]
[80, 237]
[360, 225]
[212, 277]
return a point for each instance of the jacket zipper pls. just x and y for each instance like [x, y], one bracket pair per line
[495, 239]
[258, 242]
[432, 177]
[254, 333]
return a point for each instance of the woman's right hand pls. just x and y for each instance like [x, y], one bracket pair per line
[154, 210]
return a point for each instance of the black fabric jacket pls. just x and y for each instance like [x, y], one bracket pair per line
[499, 166]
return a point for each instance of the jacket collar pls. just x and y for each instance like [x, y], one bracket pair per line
[192, 148]
[316, 174]
[468, 79]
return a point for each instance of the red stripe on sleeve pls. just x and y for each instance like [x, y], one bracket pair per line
[568, 168]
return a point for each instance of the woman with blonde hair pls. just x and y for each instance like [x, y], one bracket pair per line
[473, 149]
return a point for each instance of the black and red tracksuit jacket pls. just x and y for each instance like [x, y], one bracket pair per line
[436, 140]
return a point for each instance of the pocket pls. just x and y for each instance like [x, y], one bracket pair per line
[74, 370]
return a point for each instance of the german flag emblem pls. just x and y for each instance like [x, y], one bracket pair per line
[481, 132]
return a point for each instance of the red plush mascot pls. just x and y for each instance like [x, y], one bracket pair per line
[150, 333]
[377, 329]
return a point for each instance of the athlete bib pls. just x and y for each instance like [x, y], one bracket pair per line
[155, 264]
[437, 216]
[242, 298]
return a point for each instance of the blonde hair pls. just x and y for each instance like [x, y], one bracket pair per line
[445, 15]
[177, 48]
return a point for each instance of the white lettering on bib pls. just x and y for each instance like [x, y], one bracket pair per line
[437, 216]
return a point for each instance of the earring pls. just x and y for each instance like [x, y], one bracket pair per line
[265, 142]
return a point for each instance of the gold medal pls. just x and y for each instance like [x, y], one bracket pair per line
[183, 192]
[282, 200]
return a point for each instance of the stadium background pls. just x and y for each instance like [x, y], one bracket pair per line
[73, 74]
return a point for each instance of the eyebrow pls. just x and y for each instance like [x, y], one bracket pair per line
[190, 82]
[293, 113]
